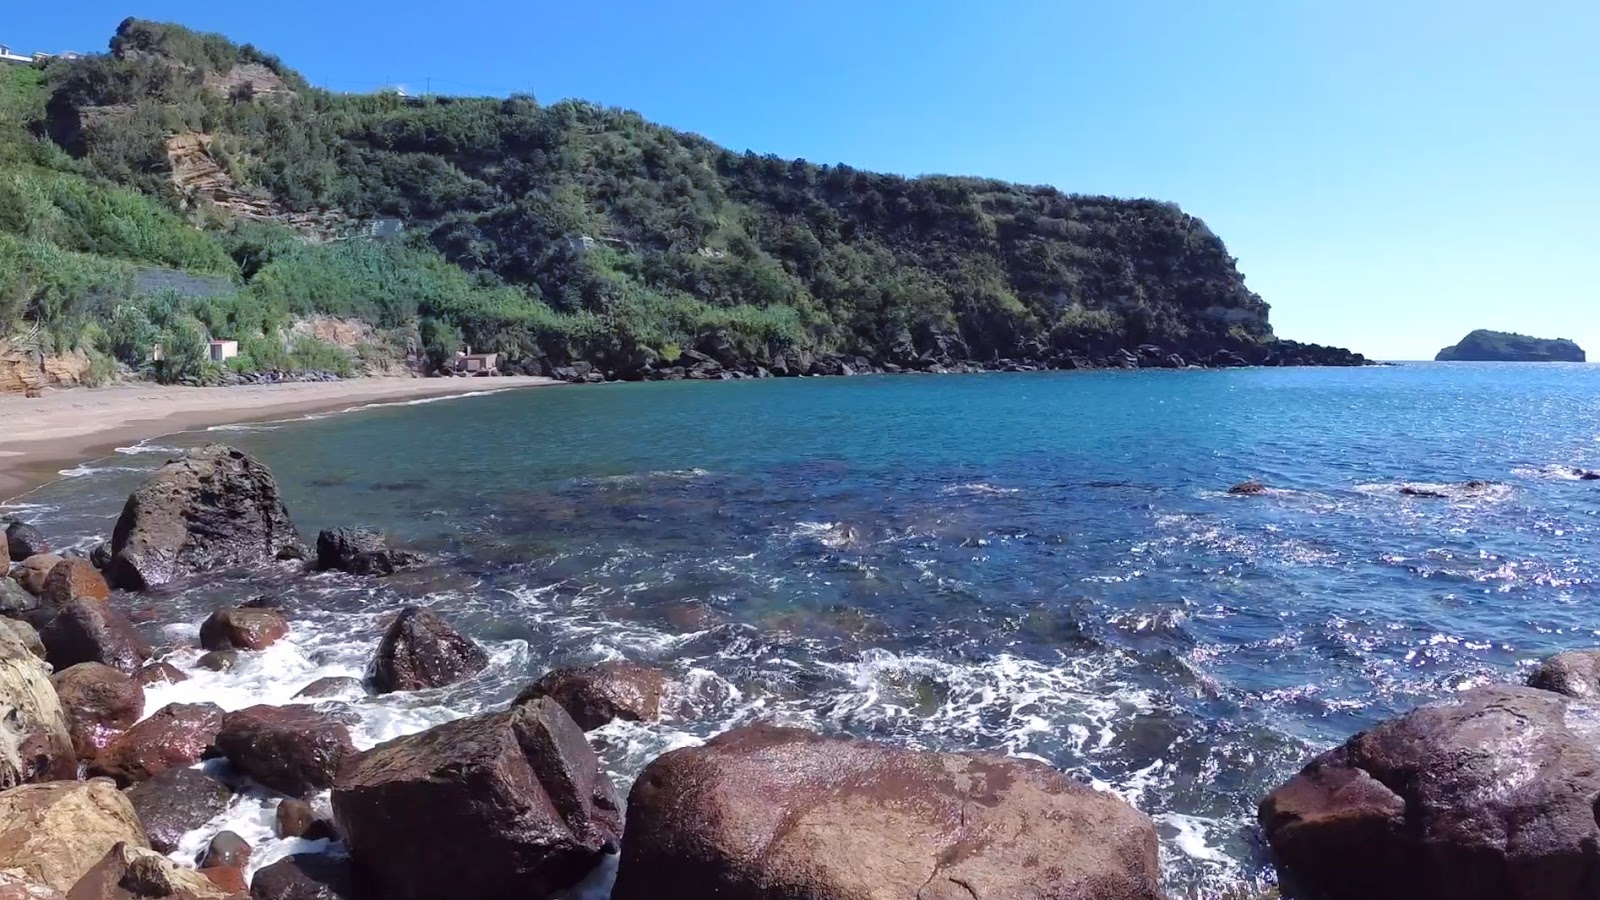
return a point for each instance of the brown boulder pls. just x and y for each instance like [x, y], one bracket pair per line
[213, 508]
[16, 633]
[594, 695]
[230, 879]
[1575, 673]
[35, 570]
[72, 578]
[160, 673]
[176, 802]
[85, 630]
[420, 651]
[138, 873]
[100, 703]
[218, 660]
[54, 833]
[294, 750]
[1489, 795]
[173, 737]
[507, 805]
[332, 686]
[227, 850]
[14, 885]
[1247, 488]
[296, 819]
[242, 629]
[305, 876]
[765, 813]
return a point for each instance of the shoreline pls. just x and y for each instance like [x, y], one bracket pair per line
[41, 436]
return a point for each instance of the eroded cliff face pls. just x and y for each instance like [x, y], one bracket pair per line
[24, 369]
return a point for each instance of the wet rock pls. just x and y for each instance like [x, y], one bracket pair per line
[1575, 673]
[304, 876]
[24, 540]
[175, 736]
[213, 508]
[34, 571]
[765, 812]
[1411, 490]
[35, 743]
[242, 629]
[226, 849]
[507, 805]
[71, 579]
[85, 630]
[297, 819]
[15, 601]
[176, 802]
[1488, 795]
[218, 660]
[230, 879]
[420, 651]
[1585, 474]
[1248, 488]
[100, 703]
[55, 833]
[332, 686]
[130, 872]
[359, 551]
[100, 556]
[594, 695]
[294, 750]
[15, 632]
[160, 673]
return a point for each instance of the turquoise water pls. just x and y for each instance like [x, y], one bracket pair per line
[1043, 564]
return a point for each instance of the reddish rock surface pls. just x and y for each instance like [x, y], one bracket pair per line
[35, 570]
[421, 650]
[100, 703]
[173, 737]
[85, 630]
[594, 695]
[160, 673]
[72, 578]
[294, 750]
[242, 629]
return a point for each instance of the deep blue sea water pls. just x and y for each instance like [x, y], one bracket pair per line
[1036, 564]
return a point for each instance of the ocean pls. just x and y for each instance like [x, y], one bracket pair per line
[1044, 564]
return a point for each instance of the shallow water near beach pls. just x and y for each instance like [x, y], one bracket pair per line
[1045, 565]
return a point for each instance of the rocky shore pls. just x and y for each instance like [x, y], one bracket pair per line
[1490, 794]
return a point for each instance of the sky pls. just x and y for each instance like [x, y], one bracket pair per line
[1390, 175]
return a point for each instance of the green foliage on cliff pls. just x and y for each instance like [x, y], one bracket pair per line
[575, 231]
[1499, 346]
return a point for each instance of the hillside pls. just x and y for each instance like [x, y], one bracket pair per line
[1499, 346]
[554, 235]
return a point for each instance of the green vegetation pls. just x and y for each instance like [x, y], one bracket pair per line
[1499, 346]
[552, 233]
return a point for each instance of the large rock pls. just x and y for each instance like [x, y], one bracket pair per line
[1490, 795]
[35, 744]
[91, 631]
[494, 807]
[293, 750]
[303, 877]
[72, 578]
[359, 551]
[15, 885]
[594, 695]
[216, 507]
[765, 813]
[100, 703]
[24, 540]
[130, 872]
[15, 633]
[242, 629]
[421, 650]
[15, 600]
[173, 737]
[177, 802]
[57, 832]
[35, 571]
[1575, 673]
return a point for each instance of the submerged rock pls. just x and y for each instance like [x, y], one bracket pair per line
[242, 629]
[494, 807]
[765, 813]
[86, 630]
[100, 702]
[1248, 488]
[131, 872]
[594, 695]
[294, 750]
[1488, 795]
[213, 508]
[420, 651]
[24, 540]
[332, 686]
[177, 802]
[359, 551]
[218, 660]
[227, 850]
[296, 818]
[55, 833]
[1575, 673]
[175, 736]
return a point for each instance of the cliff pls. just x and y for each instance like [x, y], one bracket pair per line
[1499, 346]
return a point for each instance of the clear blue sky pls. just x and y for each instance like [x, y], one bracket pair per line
[1390, 174]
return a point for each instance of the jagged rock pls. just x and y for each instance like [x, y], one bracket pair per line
[1575, 673]
[176, 802]
[420, 651]
[34, 571]
[1248, 488]
[175, 736]
[160, 673]
[71, 579]
[218, 660]
[91, 631]
[1487, 795]
[100, 703]
[494, 807]
[100, 556]
[332, 686]
[594, 695]
[35, 744]
[55, 833]
[15, 601]
[213, 508]
[15, 885]
[131, 872]
[359, 551]
[765, 813]
[303, 877]
[294, 750]
[24, 540]
[242, 629]
[227, 850]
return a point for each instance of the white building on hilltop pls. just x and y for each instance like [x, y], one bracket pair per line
[7, 55]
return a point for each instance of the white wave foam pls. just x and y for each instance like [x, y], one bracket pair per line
[979, 488]
[1555, 472]
[86, 470]
[833, 535]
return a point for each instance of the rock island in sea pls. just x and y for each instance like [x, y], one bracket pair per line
[1499, 346]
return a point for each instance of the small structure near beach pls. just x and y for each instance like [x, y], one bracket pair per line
[469, 363]
[222, 351]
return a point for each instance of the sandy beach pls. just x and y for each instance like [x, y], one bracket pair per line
[39, 437]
